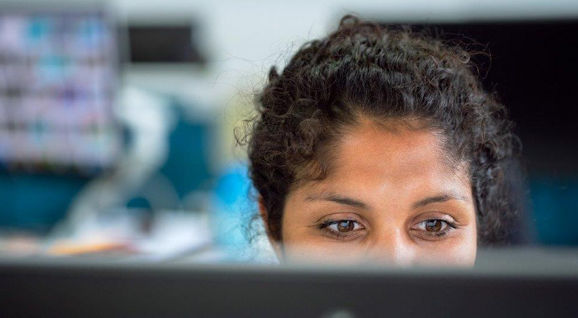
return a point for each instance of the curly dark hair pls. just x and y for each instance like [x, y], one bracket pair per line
[364, 69]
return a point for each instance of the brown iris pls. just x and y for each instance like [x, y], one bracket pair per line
[433, 225]
[345, 226]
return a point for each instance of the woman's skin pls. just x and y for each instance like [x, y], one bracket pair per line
[391, 195]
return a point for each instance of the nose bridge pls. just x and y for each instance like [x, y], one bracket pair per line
[392, 245]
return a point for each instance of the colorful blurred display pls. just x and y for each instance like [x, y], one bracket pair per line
[57, 84]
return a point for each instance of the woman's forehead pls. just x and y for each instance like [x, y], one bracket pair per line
[370, 158]
[400, 150]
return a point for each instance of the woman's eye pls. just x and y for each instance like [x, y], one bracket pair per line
[435, 227]
[344, 226]
[341, 228]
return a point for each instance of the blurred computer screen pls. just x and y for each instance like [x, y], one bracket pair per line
[57, 83]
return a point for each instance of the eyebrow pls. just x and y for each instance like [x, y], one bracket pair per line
[438, 199]
[333, 197]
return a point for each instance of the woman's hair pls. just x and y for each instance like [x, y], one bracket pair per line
[364, 70]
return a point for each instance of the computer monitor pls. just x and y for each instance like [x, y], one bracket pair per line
[63, 288]
[58, 75]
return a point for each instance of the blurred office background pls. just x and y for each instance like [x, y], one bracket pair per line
[117, 117]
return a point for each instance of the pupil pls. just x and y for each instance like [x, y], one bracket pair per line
[433, 225]
[345, 226]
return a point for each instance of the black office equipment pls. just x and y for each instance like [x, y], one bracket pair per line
[81, 289]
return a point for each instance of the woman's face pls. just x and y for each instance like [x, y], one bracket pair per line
[391, 195]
